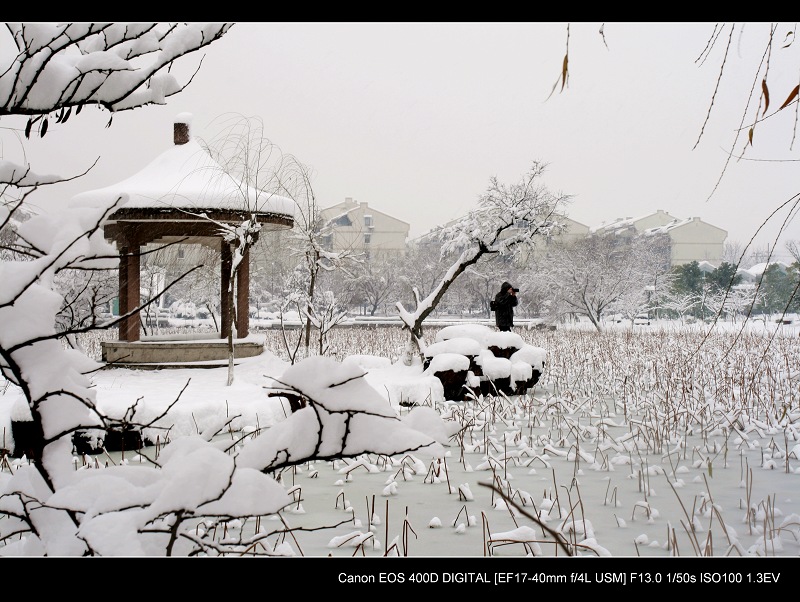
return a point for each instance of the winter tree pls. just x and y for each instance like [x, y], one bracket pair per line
[793, 247]
[244, 153]
[48, 507]
[681, 305]
[733, 252]
[597, 274]
[59, 68]
[739, 301]
[378, 281]
[778, 289]
[507, 220]
[422, 268]
[701, 294]
[307, 246]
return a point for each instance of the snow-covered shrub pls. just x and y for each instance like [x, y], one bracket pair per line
[535, 356]
[477, 332]
[496, 373]
[504, 344]
[521, 377]
[492, 355]
[451, 369]
[465, 346]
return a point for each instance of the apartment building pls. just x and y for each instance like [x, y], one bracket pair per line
[356, 226]
[691, 239]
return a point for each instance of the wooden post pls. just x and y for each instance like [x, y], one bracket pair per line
[243, 297]
[226, 257]
[129, 294]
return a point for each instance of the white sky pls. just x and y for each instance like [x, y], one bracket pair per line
[414, 118]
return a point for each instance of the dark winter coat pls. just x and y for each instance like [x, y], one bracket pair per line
[503, 307]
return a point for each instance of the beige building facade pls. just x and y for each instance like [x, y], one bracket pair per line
[691, 239]
[355, 226]
[361, 228]
[694, 240]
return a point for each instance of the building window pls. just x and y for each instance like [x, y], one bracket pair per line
[368, 221]
[367, 238]
[181, 253]
[343, 220]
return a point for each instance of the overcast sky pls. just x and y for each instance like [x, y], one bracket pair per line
[414, 118]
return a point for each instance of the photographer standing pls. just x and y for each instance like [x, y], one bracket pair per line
[503, 306]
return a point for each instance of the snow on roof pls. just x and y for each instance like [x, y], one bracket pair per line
[621, 225]
[758, 269]
[676, 223]
[186, 177]
[618, 224]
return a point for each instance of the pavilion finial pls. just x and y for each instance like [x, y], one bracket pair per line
[181, 130]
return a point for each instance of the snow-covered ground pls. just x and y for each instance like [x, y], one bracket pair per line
[628, 446]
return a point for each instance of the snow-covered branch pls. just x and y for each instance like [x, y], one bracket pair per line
[117, 66]
[342, 417]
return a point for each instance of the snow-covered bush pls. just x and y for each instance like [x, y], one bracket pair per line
[497, 361]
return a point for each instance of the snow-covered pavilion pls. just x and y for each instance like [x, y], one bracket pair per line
[182, 195]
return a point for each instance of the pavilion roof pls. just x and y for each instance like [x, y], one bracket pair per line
[186, 178]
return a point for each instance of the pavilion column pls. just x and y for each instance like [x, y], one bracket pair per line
[225, 282]
[243, 297]
[129, 291]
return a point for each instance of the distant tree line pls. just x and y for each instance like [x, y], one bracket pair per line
[595, 278]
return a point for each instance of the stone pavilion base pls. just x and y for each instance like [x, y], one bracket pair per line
[152, 353]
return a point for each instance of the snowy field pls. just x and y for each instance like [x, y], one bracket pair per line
[642, 441]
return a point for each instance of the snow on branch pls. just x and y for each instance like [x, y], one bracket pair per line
[342, 417]
[116, 66]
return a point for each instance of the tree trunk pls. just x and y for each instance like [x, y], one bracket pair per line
[232, 322]
[312, 284]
